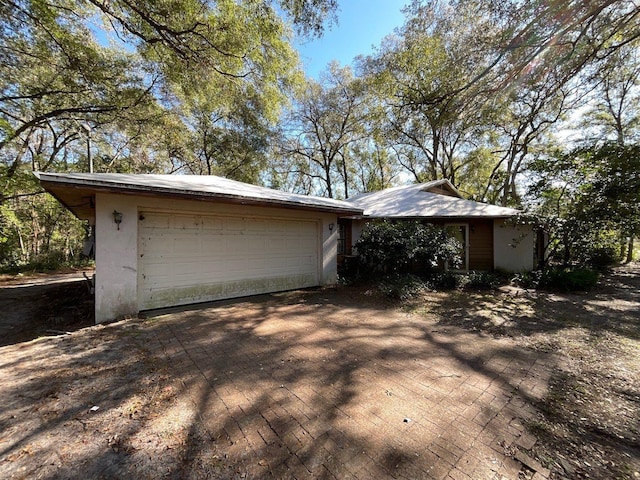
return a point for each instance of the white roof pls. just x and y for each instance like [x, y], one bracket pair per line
[198, 186]
[414, 201]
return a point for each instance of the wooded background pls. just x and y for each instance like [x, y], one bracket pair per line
[532, 104]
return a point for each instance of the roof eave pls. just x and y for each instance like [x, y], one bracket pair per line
[430, 217]
[49, 180]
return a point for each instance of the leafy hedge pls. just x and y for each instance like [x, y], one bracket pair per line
[565, 279]
[569, 280]
[387, 247]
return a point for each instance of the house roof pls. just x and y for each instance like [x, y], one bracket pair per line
[437, 199]
[76, 191]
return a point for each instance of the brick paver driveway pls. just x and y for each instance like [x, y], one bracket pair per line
[328, 384]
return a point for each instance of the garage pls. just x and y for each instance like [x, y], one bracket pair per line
[169, 240]
[189, 258]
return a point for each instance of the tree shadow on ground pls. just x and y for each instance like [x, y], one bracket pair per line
[322, 384]
[35, 310]
[589, 422]
[329, 388]
[614, 307]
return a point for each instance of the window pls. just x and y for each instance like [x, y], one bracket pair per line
[342, 239]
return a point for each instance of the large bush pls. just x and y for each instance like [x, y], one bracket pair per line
[402, 246]
[559, 279]
[568, 279]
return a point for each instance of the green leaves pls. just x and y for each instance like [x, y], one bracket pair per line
[589, 199]
[395, 246]
[162, 85]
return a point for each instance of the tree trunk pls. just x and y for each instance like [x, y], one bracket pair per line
[629, 250]
[327, 172]
[23, 249]
[344, 173]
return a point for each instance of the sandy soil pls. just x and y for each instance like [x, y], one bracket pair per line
[104, 389]
[589, 424]
[44, 304]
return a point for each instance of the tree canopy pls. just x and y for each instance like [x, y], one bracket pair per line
[152, 86]
[506, 99]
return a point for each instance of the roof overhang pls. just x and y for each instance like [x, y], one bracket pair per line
[459, 217]
[77, 193]
[436, 200]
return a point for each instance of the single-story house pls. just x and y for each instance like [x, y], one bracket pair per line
[166, 240]
[489, 241]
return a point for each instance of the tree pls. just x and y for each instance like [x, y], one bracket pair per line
[137, 82]
[373, 167]
[615, 194]
[533, 36]
[324, 124]
[587, 198]
[614, 113]
[468, 76]
[526, 117]
[418, 75]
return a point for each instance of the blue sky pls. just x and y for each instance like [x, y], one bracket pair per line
[362, 24]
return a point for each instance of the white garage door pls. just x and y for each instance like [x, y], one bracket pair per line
[195, 258]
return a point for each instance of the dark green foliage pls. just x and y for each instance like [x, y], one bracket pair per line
[561, 279]
[399, 247]
[569, 279]
[445, 281]
[49, 262]
[589, 199]
[604, 256]
[483, 280]
[407, 286]
[402, 287]
[466, 281]
[528, 279]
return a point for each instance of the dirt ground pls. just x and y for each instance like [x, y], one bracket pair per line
[44, 304]
[112, 401]
[588, 425]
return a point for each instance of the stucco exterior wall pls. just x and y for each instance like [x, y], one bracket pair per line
[513, 247]
[116, 289]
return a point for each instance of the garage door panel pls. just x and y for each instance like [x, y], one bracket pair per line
[257, 226]
[194, 258]
[156, 222]
[255, 244]
[233, 225]
[186, 224]
[212, 224]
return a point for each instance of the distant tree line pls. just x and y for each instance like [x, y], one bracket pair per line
[519, 103]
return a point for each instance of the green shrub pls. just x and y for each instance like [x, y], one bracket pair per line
[527, 279]
[471, 280]
[603, 256]
[569, 279]
[402, 287]
[483, 280]
[386, 247]
[445, 281]
[47, 263]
